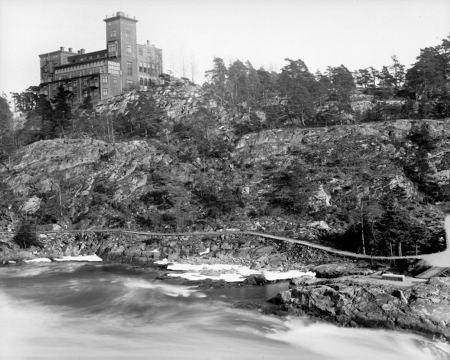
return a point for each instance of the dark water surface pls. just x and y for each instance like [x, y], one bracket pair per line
[92, 311]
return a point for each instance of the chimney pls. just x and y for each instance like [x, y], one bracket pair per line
[148, 42]
[61, 48]
[70, 49]
[78, 52]
[82, 51]
[120, 13]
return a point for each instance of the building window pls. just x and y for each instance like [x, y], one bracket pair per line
[104, 79]
[141, 52]
[112, 49]
[127, 34]
[141, 81]
[140, 69]
[145, 82]
[129, 49]
[129, 68]
[105, 92]
[113, 34]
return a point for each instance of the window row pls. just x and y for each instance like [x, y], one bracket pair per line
[72, 74]
[147, 65]
[113, 34]
[146, 70]
[95, 65]
[145, 81]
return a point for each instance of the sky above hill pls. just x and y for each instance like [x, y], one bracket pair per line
[356, 33]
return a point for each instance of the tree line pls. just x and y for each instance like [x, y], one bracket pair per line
[293, 96]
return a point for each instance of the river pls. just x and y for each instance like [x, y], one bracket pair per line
[101, 311]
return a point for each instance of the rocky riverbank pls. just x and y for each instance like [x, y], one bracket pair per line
[231, 248]
[343, 291]
[356, 301]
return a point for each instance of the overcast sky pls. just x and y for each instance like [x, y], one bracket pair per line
[356, 33]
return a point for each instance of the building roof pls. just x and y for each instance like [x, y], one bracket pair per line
[120, 15]
[57, 52]
[149, 46]
[99, 54]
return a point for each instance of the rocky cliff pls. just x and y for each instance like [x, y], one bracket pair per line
[379, 188]
[323, 184]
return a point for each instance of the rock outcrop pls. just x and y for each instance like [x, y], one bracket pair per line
[339, 269]
[79, 183]
[366, 302]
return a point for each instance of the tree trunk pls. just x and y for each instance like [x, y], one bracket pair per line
[362, 229]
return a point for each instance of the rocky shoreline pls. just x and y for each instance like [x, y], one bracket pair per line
[344, 292]
[356, 301]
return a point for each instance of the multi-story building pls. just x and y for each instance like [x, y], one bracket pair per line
[124, 65]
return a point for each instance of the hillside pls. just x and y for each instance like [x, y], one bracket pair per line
[382, 186]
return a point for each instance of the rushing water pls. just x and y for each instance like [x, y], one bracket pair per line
[90, 311]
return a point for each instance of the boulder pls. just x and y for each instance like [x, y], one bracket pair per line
[422, 308]
[319, 200]
[31, 205]
[320, 225]
[263, 251]
[335, 270]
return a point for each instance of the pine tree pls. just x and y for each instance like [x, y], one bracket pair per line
[62, 109]
[297, 84]
[216, 79]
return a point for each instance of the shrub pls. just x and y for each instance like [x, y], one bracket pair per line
[291, 188]
[26, 236]
[218, 198]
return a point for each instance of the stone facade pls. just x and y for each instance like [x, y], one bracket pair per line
[122, 66]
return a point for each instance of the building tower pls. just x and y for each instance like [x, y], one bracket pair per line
[121, 45]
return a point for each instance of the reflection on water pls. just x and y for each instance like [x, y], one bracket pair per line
[76, 311]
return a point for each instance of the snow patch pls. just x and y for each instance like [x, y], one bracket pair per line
[228, 272]
[161, 262]
[79, 258]
[291, 274]
[193, 276]
[37, 260]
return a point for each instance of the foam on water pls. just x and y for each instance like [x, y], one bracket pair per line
[39, 268]
[93, 311]
[167, 289]
[332, 342]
